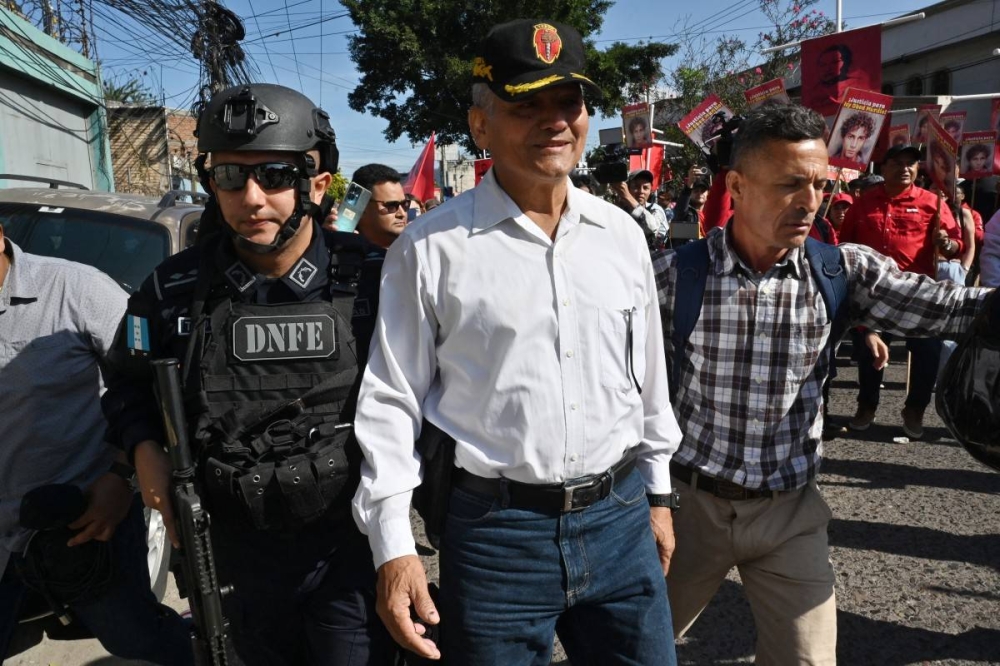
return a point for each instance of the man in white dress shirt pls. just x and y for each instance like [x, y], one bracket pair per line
[521, 318]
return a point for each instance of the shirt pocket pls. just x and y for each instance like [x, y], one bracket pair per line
[622, 339]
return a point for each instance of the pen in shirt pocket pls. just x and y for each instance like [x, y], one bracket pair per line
[628, 313]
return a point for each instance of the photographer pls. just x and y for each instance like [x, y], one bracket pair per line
[633, 197]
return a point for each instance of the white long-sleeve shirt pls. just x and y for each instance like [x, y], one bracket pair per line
[515, 345]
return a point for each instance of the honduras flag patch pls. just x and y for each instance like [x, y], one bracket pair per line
[137, 330]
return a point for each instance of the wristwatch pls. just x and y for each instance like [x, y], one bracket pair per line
[671, 501]
[127, 474]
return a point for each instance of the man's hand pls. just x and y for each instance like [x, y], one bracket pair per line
[661, 519]
[152, 471]
[402, 583]
[878, 348]
[108, 502]
[624, 196]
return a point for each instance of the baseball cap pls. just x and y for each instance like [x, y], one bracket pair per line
[841, 197]
[639, 173]
[899, 150]
[520, 58]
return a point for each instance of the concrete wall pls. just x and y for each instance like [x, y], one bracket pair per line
[51, 112]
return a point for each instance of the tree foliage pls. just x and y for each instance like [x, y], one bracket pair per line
[415, 59]
[127, 88]
[338, 186]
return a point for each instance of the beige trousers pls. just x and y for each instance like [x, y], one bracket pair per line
[779, 545]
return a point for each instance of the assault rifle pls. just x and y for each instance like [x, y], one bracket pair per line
[209, 638]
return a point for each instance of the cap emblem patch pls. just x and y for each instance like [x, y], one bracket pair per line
[548, 43]
[481, 70]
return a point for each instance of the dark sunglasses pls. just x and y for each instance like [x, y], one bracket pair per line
[393, 206]
[270, 175]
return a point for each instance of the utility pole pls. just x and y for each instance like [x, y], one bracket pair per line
[48, 19]
[84, 36]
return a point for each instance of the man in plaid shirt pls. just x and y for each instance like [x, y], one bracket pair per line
[749, 399]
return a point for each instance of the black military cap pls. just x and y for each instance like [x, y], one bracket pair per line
[519, 58]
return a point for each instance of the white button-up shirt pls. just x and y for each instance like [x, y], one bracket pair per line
[515, 345]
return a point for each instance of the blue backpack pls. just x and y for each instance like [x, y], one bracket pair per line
[825, 261]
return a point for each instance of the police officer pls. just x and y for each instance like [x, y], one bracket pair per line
[259, 313]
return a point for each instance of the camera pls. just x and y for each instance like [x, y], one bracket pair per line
[722, 143]
[614, 167]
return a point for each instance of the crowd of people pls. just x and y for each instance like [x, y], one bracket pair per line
[632, 418]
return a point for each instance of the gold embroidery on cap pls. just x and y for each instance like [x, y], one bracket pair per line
[481, 70]
[548, 43]
[533, 85]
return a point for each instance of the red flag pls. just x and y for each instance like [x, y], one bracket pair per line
[652, 159]
[480, 167]
[420, 180]
[834, 63]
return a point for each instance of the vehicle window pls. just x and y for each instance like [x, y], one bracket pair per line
[125, 248]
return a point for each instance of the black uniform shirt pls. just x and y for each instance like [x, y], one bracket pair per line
[158, 324]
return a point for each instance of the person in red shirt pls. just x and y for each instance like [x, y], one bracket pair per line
[908, 224]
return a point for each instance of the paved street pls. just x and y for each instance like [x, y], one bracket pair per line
[916, 547]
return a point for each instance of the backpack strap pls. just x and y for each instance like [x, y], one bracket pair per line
[826, 262]
[689, 292]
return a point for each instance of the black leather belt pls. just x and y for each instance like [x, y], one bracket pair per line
[721, 488]
[574, 495]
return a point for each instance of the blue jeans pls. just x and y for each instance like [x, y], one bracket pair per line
[513, 578]
[126, 619]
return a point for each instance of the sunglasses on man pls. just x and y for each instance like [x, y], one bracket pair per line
[393, 206]
[269, 175]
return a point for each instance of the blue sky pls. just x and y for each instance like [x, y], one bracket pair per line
[296, 63]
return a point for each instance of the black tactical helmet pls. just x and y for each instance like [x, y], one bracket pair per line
[268, 117]
[264, 116]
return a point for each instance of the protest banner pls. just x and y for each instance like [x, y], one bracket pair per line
[771, 91]
[942, 154]
[953, 123]
[899, 135]
[637, 126]
[834, 63]
[856, 128]
[925, 112]
[976, 150]
[705, 121]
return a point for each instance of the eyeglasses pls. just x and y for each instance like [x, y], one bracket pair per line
[270, 175]
[393, 206]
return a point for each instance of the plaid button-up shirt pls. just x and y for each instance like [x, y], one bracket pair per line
[751, 389]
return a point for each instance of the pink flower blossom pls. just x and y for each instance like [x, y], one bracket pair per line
[758, 71]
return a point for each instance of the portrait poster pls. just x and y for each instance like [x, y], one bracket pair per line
[772, 91]
[637, 126]
[833, 174]
[953, 123]
[942, 155]
[856, 128]
[899, 135]
[925, 113]
[995, 124]
[705, 121]
[976, 154]
[480, 167]
[834, 63]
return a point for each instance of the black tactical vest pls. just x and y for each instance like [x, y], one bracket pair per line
[267, 460]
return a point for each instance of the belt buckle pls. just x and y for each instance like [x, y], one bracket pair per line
[568, 491]
[728, 490]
